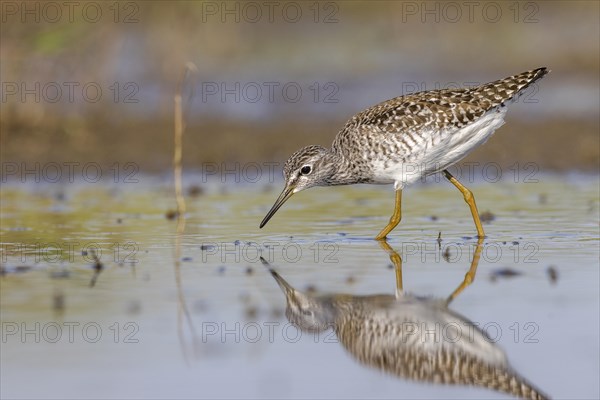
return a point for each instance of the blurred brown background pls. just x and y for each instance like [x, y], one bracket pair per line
[95, 81]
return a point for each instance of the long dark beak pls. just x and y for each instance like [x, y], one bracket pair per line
[286, 194]
[286, 287]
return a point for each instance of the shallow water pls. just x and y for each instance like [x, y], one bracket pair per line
[222, 331]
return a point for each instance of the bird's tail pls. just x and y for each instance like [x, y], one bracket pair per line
[509, 382]
[511, 88]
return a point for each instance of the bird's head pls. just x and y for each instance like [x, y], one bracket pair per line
[308, 313]
[306, 168]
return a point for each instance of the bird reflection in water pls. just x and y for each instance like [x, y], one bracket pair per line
[412, 337]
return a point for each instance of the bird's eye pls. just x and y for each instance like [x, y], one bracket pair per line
[306, 170]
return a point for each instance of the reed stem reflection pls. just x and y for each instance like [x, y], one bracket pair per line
[179, 128]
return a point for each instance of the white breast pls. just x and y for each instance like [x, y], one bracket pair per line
[438, 151]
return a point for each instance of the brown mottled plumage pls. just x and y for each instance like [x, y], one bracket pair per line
[390, 334]
[406, 138]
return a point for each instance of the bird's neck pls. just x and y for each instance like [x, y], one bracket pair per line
[340, 168]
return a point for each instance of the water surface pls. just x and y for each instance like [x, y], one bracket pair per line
[222, 331]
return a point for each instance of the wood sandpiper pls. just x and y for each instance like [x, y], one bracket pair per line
[412, 337]
[405, 139]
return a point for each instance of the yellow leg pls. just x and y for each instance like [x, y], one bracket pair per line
[397, 261]
[470, 275]
[468, 195]
[394, 219]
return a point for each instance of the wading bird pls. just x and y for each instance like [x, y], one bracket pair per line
[406, 138]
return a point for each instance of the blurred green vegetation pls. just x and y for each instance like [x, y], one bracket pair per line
[147, 44]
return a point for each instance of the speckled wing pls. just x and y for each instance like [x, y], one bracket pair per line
[422, 340]
[401, 129]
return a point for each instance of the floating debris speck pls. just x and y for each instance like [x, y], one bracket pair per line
[23, 268]
[552, 274]
[171, 214]
[133, 307]
[251, 312]
[98, 267]
[504, 273]
[200, 306]
[195, 191]
[487, 217]
[60, 274]
[446, 254]
[58, 301]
